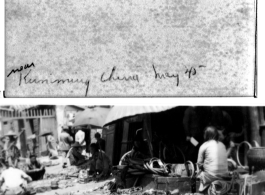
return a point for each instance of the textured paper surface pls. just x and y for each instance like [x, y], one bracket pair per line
[157, 48]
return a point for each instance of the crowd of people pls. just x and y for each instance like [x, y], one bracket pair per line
[207, 147]
[72, 147]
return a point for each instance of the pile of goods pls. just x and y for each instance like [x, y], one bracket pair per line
[84, 177]
[154, 166]
[50, 184]
[103, 189]
[64, 179]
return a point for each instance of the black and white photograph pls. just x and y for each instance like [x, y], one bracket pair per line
[109, 149]
[132, 97]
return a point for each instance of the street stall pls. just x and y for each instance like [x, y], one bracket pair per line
[151, 173]
[90, 121]
[159, 123]
[148, 147]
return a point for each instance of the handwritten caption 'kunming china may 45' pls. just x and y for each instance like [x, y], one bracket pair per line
[110, 76]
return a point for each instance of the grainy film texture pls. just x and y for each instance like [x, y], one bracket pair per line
[130, 48]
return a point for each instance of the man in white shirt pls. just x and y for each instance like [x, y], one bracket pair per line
[14, 181]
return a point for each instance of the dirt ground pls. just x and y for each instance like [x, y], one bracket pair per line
[77, 187]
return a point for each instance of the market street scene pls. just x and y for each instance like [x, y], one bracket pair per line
[136, 150]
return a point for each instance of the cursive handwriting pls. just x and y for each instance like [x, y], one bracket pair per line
[27, 80]
[165, 75]
[118, 78]
[26, 66]
[192, 71]
[105, 77]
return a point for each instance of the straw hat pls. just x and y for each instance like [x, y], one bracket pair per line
[46, 132]
[66, 128]
[11, 134]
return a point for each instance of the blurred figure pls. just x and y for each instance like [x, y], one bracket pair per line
[139, 152]
[100, 142]
[100, 165]
[51, 144]
[35, 170]
[65, 143]
[80, 137]
[1, 149]
[194, 121]
[212, 159]
[52, 147]
[75, 155]
[11, 153]
[14, 181]
[140, 149]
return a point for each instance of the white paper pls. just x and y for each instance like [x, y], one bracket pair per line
[194, 141]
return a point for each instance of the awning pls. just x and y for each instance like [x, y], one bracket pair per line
[119, 112]
[95, 117]
[22, 107]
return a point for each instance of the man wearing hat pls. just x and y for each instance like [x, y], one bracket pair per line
[11, 152]
[35, 170]
[65, 142]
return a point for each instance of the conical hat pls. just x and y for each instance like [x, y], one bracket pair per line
[10, 133]
[46, 132]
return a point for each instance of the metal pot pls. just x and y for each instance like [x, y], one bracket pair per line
[255, 157]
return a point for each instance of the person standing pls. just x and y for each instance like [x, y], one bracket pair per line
[100, 142]
[193, 123]
[65, 143]
[11, 153]
[35, 170]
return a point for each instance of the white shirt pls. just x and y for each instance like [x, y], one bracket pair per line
[13, 178]
[212, 155]
[80, 137]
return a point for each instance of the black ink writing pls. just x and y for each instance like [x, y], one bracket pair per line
[24, 78]
[26, 66]
[27, 80]
[30, 81]
[118, 78]
[192, 70]
[165, 75]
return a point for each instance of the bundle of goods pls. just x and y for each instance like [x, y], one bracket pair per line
[106, 188]
[66, 183]
[48, 185]
[50, 163]
[157, 192]
[70, 172]
[182, 170]
[84, 177]
[154, 165]
[41, 185]
[58, 176]
[103, 189]
[129, 191]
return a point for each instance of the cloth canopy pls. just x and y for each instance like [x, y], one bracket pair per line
[95, 117]
[119, 112]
